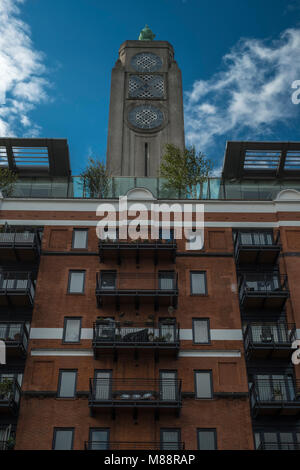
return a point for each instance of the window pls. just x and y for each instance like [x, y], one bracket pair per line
[99, 439]
[102, 389]
[108, 280]
[76, 282]
[80, 239]
[63, 438]
[201, 333]
[207, 439]
[72, 329]
[67, 383]
[198, 282]
[170, 439]
[168, 385]
[203, 384]
[166, 280]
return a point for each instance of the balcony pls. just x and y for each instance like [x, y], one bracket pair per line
[10, 393]
[15, 336]
[158, 249]
[267, 291]
[162, 288]
[253, 248]
[269, 340]
[111, 335]
[122, 445]
[19, 247]
[275, 396]
[135, 393]
[279, 446]
[17, 289]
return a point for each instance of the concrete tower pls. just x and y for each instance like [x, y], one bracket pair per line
[146, 107]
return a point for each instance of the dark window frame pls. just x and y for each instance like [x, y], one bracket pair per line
[214, 430]
[206, 371]
[71, 271]
[87, 238]
[110, 378]
[64, 341]
[100, 429]
[205, 293]
[162, 430]
[208, 330]
[55, 429]
[61, 371]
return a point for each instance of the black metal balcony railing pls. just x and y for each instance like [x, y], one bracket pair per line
[20, 246]
[135, 334]
[267, 337]
[111, 284]
[135, 392]
[15, 335]
[279, 446]
[17, 288]
[263, 291]
[256, 248]
[273, 393]
[118, 445]
[10, 394]
[121, 247]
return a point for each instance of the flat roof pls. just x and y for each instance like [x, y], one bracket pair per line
[36, 157]
[263, 160]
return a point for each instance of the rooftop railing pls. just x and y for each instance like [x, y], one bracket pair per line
[214, 188]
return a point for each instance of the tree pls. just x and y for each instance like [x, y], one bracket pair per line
[7, 181]
[184, 170]
[94, 179]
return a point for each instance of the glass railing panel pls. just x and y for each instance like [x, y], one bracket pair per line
[148, 183]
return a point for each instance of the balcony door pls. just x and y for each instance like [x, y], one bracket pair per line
[108, 280]
[99, 439]
[103, 384]
[170, 439]
[167, 329]
[4, 436]
[168, 385]
[166, 280]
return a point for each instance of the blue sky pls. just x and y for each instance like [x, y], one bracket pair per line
[238, 61]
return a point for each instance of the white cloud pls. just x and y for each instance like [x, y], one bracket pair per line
[22, 82]
[251, 94]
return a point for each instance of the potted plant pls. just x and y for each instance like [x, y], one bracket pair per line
[278, 395]
[10, 443]
[5, 388]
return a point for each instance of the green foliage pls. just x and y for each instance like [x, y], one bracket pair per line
[95, 180]
[184, 170]
[5, 386]
[7, 181]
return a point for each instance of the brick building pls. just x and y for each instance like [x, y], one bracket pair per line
[147, 344]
